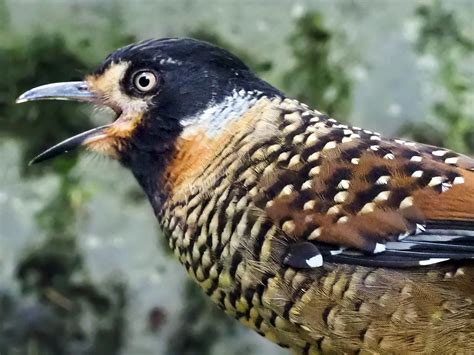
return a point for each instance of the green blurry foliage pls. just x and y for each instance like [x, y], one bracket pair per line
[441, 37]
[4, 17]
[202, 323]
[86, 318]
[204, 33]
[31, 62]
[316, 79]
[60, 310]
[67, 202]
[89, 322]
[47, 58]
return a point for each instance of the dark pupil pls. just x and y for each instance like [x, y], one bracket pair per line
[144, 81]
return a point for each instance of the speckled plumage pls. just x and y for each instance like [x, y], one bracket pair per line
[230, 222]
[324, 238]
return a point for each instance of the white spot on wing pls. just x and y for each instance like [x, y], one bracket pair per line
[283, 156]
[436, 180]
[290, 128]
[298, 139]
[309, 205]
[334, 210]
[289, 227]
[315, 261]
[379, 248]
[344, 184]
[320, 125]
[314, 171]
[315, 234]
[343, 219]
[445, 186]
[432, 261]
[311, 140]
[383, 180]
[406, 202]
[403, 235]
[295, 159]
[420, 228]
[439, 153]
[451, 161]
[341, 197]
[330, 145]
[382, 196]
[287, 190]
[313, 157]
[307, 185]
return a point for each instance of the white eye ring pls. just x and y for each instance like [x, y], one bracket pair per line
[145, 81]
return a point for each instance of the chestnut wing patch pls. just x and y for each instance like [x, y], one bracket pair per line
[364, 199]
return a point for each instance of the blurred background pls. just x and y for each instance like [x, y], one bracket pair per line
[83, 267]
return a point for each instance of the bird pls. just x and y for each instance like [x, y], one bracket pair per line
[320, 236]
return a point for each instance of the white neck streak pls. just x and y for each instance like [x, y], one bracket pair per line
[217, 116]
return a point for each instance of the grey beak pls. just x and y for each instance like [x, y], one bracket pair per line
[68, 144]
[72, 90]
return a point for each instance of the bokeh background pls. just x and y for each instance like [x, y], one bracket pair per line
[83, 267]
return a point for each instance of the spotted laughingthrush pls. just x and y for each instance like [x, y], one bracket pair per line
[323, 237]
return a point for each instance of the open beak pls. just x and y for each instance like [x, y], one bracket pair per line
[73, 91]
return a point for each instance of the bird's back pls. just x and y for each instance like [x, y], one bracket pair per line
[324, 237]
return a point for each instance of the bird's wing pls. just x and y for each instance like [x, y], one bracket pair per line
[343, 194]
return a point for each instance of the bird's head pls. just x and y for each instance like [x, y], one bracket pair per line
[159, 90]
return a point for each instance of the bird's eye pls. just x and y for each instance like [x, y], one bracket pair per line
[145, 81]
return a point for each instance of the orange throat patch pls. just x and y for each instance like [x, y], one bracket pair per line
[196, 159]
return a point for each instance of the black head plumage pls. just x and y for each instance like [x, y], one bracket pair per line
[194, 74]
